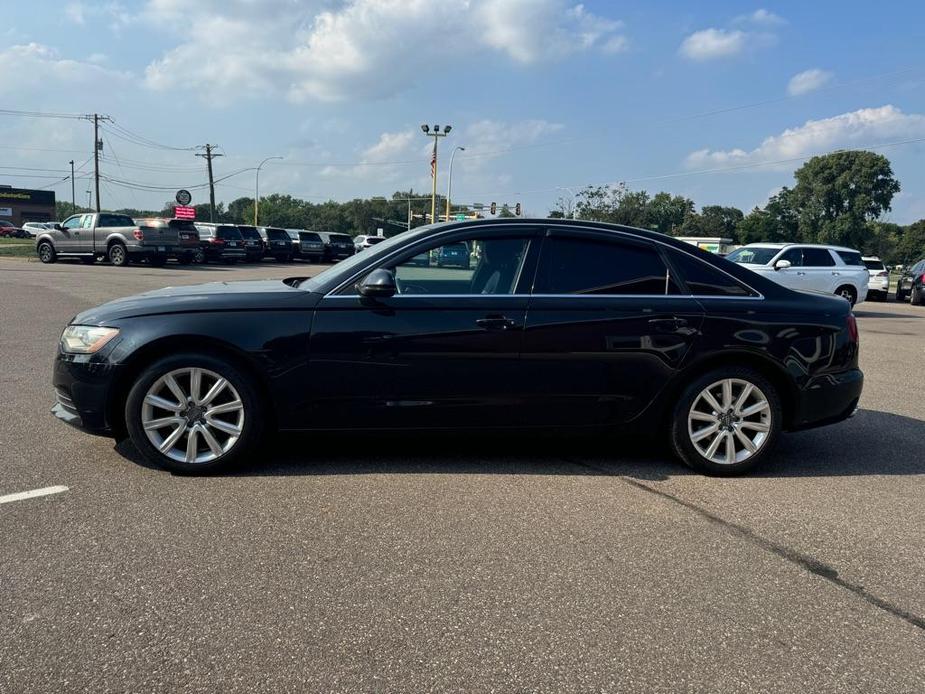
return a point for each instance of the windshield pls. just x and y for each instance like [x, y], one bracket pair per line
[345, 267]
[753, 255]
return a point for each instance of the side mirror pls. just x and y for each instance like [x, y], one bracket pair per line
[782, 264]
[378, 284]
[59, 227]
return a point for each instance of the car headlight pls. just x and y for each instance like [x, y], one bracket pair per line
[86, 339]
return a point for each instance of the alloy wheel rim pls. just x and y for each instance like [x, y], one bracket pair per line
[46, 252]
[729, 421]
[117, 254]
[192, 415]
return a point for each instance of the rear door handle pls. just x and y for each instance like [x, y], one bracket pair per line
[496, 323]
[668, 325]
[835, 273]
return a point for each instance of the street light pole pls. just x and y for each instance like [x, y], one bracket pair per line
[449, 180]
[257, 186]
[436, 134]
[73, 191]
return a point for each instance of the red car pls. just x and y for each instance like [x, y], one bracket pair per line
[10, 230]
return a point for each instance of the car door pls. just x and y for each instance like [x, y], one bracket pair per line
[794, 276]
[443, 352]
[607, 327]
[67, 239]
[822, 273]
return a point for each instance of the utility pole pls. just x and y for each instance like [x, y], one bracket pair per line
[97, 148]
[73, 193]
[209, 155]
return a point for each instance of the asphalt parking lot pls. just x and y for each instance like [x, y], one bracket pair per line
[455, 563]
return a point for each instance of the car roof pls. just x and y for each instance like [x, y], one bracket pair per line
[801, 245]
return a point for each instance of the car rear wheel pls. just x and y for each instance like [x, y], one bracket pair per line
[847, 292]
[726, 422]
[47, 252]
[193, 413]
[117, 255]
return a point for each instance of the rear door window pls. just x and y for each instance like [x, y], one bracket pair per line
[115, 220]
[853, 258]
[705, 280]
[818, 257]
[590, 266]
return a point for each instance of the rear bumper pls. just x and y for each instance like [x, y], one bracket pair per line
[828, 399]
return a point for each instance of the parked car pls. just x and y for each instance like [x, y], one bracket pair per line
[10, 230]
[912, 284]
[626, 329]
[336, 246]
[278, 244]
[829, 269]
[362, 242]
[221, 243]
[878, 287]
[254, 247]
[116, 237]
[452, 255]
[33, 229]
[306, 245]
[187, 247]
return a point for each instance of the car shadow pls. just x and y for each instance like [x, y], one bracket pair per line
[880, 314]
[871, 443]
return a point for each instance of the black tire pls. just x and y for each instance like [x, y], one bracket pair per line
[186, 258]
[46, 252]
[251, 432]
[916, 297]
[680, 433]
[900, 296]
[199, 257]
[848, 292]
[118, 256]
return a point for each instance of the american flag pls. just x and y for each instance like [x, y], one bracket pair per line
[433, 161]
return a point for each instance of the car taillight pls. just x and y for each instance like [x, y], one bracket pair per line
[138, 234]
[853, 329]
[217, 241]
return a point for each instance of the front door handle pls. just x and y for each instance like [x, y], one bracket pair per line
[801, 273]
[496, 323]
[835, 273]
[668, 325]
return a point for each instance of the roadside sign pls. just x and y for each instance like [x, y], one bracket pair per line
[460, 217]
[183, 197]
[184, 212]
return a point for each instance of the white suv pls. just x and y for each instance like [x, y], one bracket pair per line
[879, 286]
[829, 269]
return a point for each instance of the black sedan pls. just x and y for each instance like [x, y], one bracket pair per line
[911, 284]
[558, 323]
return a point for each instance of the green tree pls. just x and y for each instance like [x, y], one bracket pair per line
[910, 247]
[666, 212]
[837, 194]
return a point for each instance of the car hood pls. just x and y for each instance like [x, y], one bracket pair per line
[213, 296]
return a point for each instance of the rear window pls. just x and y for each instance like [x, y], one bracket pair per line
[851, 258]
[115, 220]
[276, 235]
[371, 240]
[340, 238]
[309, 236]
[228, 233]
[249, 232]
[873, 264]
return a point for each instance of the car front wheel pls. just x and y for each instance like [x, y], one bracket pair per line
[47, 252]
[193, 414]
[726, 422]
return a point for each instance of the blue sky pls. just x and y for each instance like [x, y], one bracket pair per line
[719, 101]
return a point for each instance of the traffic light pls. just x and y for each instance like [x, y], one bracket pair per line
[517, 210]
[494, 208]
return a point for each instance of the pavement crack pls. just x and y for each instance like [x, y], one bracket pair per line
[804, 561]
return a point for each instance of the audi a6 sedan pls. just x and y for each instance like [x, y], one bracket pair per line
[556, 323]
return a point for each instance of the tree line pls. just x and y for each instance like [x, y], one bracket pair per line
[838, 198]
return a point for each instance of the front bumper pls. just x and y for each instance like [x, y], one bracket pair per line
[828, 399]
[82, 391]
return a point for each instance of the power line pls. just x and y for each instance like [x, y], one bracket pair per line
[40, 114]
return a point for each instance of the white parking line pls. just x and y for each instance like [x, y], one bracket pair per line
[44, 491]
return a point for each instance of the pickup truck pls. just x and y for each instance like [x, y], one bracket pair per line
[116, 237]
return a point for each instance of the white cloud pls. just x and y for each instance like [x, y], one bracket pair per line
[81, 13]
[864, 127]
[708, 44]
[359, 48]
[761, 17]
[74, 11]
[808, 81]
[35, 68]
